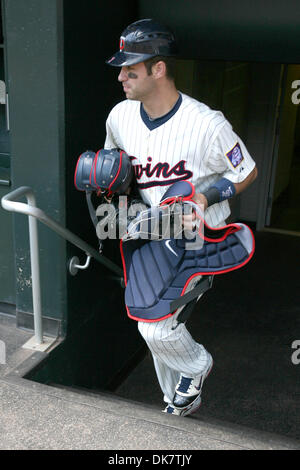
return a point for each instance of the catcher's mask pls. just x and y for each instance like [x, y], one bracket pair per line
[107, 172]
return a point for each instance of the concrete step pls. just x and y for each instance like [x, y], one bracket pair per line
[57, 417]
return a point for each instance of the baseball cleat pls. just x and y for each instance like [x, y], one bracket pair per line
[189, 389]
[185, 411]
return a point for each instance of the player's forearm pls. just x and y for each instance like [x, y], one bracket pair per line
[211, 197]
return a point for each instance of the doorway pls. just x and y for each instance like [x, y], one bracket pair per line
[283, 211]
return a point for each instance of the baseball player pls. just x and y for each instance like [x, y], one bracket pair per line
[173, 137]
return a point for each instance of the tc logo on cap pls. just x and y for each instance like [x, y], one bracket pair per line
[122, 43]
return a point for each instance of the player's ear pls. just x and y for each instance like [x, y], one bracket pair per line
[159, 69]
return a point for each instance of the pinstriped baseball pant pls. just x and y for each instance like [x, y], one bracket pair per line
[174, 351]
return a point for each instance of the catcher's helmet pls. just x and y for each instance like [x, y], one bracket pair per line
[141, 41]
[107, 171]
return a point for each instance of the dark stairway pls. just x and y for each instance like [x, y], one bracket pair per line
[248, 321]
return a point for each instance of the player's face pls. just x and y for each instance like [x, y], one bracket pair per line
[137, 84]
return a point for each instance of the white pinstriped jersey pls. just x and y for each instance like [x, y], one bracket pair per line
[196, 144]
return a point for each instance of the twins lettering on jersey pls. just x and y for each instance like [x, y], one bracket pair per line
[162, 170]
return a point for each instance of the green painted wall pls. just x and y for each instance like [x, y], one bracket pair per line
[35, 80]
[7, 256]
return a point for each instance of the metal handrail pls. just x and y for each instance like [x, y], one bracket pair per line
[9, 203]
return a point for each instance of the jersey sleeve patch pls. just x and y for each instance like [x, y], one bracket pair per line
[235, 155]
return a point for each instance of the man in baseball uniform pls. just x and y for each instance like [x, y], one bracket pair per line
[173, 137]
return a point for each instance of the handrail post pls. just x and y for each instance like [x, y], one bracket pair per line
[35, 273]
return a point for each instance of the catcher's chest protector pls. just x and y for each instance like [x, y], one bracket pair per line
[157, 273]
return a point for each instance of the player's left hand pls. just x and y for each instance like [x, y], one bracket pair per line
[189, 220]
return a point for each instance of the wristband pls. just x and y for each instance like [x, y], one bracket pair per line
[219, 191]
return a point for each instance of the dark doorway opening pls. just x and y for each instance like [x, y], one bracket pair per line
[284, 195]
